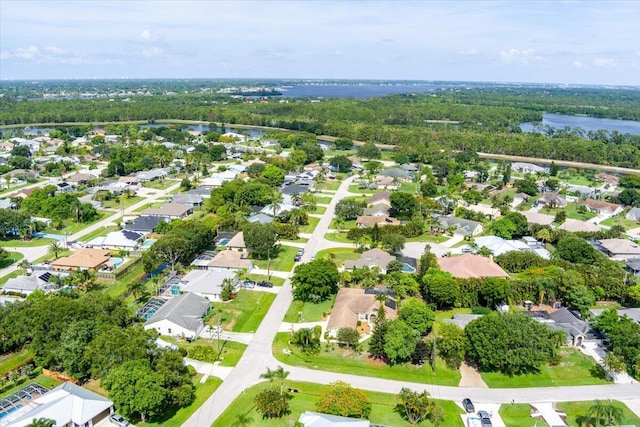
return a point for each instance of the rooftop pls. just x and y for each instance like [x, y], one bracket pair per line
[468, 266]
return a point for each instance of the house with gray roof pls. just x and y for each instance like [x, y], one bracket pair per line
[395, 173]
[261, 218]
[633, 214]
[577, 330]
[187, 199]
[461, 225]
[180, 316]
[169, 210]
[371, 258]
[633, 266]
[207, 283]
[145, 224]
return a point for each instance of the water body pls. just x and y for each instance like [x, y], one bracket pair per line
[560, 121]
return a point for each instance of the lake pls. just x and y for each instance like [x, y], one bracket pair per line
[560, 121]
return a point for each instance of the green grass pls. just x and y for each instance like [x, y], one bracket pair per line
[310, 312]
[19, 243]
[575, 179]
[50, 256]
[575, 410]
[159, 184]
[11, 259]
[11, 275]
[572, 212]
[329, 185]
[283, 262]
[100, 232]
[11, 361]
[347, 362]
[230, 351]
[409, 187]
[149, 205]
[177, 418]
[516, 415]
[622, 221]
[572, 370]
[382, 408]
[7, 191]
[72, 227]
[298, 240]
[277, 281]
[341, 254]
[338, 237]
[126, 202]
[319, 210]
[244, 313]
[43, 380]
[355, 189]
[313, 222]
[429, 238]
[119, 288]
[321, 200]
[345, 224]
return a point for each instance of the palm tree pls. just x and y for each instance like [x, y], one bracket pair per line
[242, 420]
[42, 422]
[55, 248]
[544, 235]
[309, 201]
[241, 275]
[84, 279]
[278, 374]
[276, 202]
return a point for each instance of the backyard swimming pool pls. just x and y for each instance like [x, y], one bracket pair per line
[223, 242]
[8, 411]
[406, 268]
[147, 243]
[116, 261]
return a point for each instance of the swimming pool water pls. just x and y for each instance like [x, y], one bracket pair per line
[9, 411]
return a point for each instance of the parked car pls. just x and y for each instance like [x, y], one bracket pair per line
[468, 406]
[118, 420]
[265, 284]
[300, 251]
[485, 419]
[248, 284]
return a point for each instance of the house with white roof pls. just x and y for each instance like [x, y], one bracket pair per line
[317, 419]
[122, 239]
[207, 283]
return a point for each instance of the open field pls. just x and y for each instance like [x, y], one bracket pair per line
[340, 255]
[244, 313]
[309, 312]
[283, 262]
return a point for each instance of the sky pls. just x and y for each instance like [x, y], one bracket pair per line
[573, 42]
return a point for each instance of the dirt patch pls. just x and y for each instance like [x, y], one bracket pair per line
[375, 362]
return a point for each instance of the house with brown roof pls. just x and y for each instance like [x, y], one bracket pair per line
[80, 178]
[169, 210]
[383, 197]
[619, 249]
[230, 260]
[25, 192]
[353, 305]
[236, 242]
[538, 218]
[369, 221]
[603, 208]
[372, 258]
[575, 225]
[471, 266]
[608, 179]
[84, 259]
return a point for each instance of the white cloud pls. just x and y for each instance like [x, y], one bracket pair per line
[54, 50]
[30, 52]
[604, 62]
[517, 56]
[152, 52]
[578, 64]
[145, 35]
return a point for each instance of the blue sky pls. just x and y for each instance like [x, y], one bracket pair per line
[586, 42]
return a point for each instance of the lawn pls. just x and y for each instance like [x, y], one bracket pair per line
[572, 212]
[126, 202]
[277, 281]
[19, 243]
[149, 205]
[321, 200]
[337, 237]
[409, 187]
[43, 380]
[177, 418]
[230, 351]
[516, 415]
[340, 254]
[574, 369]
[329, 185]
[313, 222]
[100, 232]
[244, 313]
[575, 179]
[345, 224]
[575, 410]
[319, 210]
[430, 238]
[382, 408]
[347, 362]
[355, 189]
[119, 287]
[620, 220]
[50, 256]
[309, 312]
[283, 262]
[72, 227]
[159, 184]
[12, 257]
[11, 361]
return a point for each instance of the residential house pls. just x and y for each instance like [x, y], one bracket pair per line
[353, 305]
[461, 225]
[317, 419]
[64, 187]
[462, 320]
[611, 180]
[67, 405]
[25, 192]
[169, 210]
[631, 313]
[633, 266]
[26, 285]
[379, 209]
[498, 246]
[151, 175]
[84, 259]
[206, 283]
[633, 214]
[371, 258]
[408, 167]
[574, 226]
[387, 182]
[538, 218]
[7, 204]
[382, 197]
[237, 242]
[192, 200]
[145, 224]
[370, 221]
[80, 179]
[203, 190]
[553, 200]
[603, 209]
[122, 239]
[231, 260]
[397, 173]
[577, 330]
[261, 218]
[619, 249]
[485, 210]
[180, 316]
[522, 167]
[471, 266]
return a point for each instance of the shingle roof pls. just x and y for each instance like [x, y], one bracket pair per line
[230, 259]
[467, 266]
[185, 310]
[574, 225]
[145, 223]
[373, 257]
[168, 209]
[384, 197]
[84, 258]
[351, 301]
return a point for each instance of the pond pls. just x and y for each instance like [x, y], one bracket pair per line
[588, 124]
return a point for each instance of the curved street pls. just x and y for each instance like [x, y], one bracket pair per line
[259, 356]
